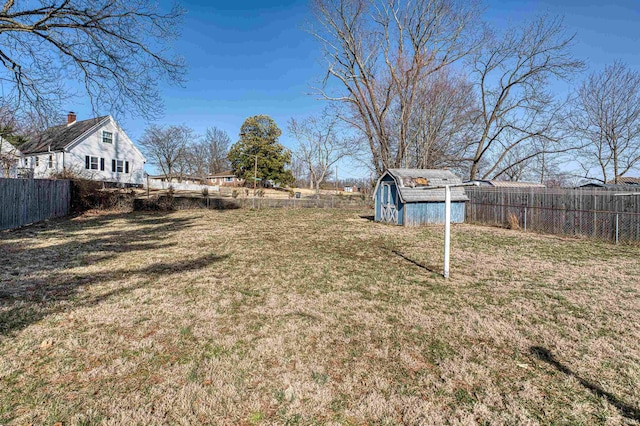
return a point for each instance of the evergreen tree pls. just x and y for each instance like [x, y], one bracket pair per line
[259, 139]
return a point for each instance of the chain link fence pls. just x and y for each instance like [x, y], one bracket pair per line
[599, 214]
[616, 227]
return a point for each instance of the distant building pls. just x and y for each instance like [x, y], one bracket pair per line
[226, 178]
[506, 184]
[625, 180]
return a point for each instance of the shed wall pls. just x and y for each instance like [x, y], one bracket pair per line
[432, 212]
[378, 195]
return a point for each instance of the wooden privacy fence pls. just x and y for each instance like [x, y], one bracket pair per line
[25, 201]
[601, 214]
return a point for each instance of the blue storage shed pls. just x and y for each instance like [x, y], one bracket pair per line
[401, 197]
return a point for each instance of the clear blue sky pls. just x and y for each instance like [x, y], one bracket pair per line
[249, 57]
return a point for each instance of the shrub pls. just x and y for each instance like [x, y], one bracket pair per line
[89, 194]
[167, 202]
[260, 193]
[205, 191]
[235, 193]
[292, 193]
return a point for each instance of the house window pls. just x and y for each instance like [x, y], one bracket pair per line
[126, 167]
[37, 161]
[50, 164]
[26, 162]
[91, 163]
[228, 179]
[107, 137]
[117, 166]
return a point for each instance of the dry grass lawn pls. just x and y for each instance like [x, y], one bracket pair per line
[312, 317]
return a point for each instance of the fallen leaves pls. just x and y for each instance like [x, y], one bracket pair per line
[46, 344]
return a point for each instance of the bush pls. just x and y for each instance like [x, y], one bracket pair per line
[205, 192]
[87, 194]
[260, 193]
[292, 193]
[235, 193]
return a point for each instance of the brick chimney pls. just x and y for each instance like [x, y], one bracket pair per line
[71, 117]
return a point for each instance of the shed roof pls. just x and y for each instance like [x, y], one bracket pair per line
[58, 137]
[412, 183]
[625, 180]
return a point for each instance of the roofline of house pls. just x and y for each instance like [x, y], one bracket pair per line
[89, 131]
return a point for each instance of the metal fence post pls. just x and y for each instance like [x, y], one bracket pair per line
[525, 218]
[617, 229]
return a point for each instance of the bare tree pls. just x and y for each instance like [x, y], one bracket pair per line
[379, 52]
[217, 143]
[607, 118]
[319, 146]
[116, 49]
[441, 124]
[167, 147]
[512, 75]
[207, 155]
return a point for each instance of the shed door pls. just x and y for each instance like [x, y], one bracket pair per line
[389, 208]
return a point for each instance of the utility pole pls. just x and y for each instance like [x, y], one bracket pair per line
[255, 176]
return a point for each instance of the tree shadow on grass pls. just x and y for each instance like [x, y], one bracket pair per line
[625, 409]
[33, 304]
[39, 281]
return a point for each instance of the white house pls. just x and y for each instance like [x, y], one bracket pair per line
[9, 159]
[96, 148]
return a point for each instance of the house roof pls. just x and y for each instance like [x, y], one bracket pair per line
[58, 137]
[411, 184]
[508, 184]
[625, 180]
[221, 174]
[622, 186]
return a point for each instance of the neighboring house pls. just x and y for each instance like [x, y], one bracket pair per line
[608, 186]
[506, 184]
[401, 197]
[9, 159]
[97, 149]
[224, 179]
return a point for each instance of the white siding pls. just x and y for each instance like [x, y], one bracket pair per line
[121, 149]
[43, 170]
[91, 145]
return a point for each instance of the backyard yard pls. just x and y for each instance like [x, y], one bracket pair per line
[312, 316]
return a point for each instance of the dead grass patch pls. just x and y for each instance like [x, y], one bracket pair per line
[312, 317]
